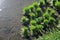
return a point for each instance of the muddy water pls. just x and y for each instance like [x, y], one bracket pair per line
[10, 16]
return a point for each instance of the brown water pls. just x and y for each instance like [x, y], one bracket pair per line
[10, 16]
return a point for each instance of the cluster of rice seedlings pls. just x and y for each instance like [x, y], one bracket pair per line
[35, 20]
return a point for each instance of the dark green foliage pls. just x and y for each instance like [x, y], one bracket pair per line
[59, 0]
[45, 1]
[54, 1]
[38, 17]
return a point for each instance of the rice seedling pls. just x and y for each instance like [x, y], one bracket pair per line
[32, 15]
[39, 20]
[33, 22]
[46, 15]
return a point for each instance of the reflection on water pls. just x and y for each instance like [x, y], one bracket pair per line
[0, 9]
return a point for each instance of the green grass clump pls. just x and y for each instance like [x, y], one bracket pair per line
[39, 17]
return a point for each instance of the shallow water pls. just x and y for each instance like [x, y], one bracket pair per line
[10, 16]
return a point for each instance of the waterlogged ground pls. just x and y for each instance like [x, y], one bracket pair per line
[10, 16]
